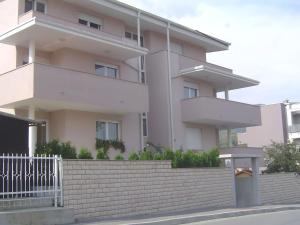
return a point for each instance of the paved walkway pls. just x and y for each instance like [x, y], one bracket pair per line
[193, 217]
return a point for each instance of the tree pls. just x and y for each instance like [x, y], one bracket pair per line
[283, 158]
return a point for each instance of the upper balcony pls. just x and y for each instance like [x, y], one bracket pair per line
[220, 78]
[219, 112]
[53, 88]
[51, 33]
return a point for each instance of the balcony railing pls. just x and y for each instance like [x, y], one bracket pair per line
[31, 14]
[294, 128]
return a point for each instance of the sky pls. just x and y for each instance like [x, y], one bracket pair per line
[264, 37]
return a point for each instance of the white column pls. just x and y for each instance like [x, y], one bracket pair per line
[32, 134]
[31, 53]
[139, 28]
[228, 130]
[170, 88]
[226, 94]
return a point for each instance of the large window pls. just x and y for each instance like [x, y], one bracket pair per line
[190, 92]
[107, 130]
[91, 22]
[37, 5]
[106, 70]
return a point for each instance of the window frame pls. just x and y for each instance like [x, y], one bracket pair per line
[106, 66]
[106, 122]
[146, 123]
[34, 6]
[132, 35]
[190, 89]
[89, 20]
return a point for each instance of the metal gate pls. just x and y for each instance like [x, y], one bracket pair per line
[23, 177]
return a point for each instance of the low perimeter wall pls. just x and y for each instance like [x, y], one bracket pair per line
[121, 188]
[282, 188]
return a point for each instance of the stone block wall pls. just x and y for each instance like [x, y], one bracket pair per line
[110, 189]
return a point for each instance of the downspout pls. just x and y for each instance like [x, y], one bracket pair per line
[170, 88]
[140, 79]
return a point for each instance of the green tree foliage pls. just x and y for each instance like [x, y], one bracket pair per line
[282, 158]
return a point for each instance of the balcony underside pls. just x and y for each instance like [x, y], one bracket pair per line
[51, 88]
[52, 34]
[220, 113]
[220, 78]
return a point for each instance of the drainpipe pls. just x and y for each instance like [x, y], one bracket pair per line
[138, 22]
[170, 88]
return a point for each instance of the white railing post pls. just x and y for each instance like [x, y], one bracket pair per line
[61, 181]
[55, 180]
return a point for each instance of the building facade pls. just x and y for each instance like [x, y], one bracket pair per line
[272, 129]
[293, 121]
[103, 69]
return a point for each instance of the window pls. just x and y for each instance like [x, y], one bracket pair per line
[91, 22]
[37, 5]
[108, 71]
[134, 37]
[193, 138]
[28, 5]
[190, 92]
[40, 7]
[145, 124]
[107, 130]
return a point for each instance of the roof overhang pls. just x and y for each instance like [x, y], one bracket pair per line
[50, 36]
[221, 78]
[29, 121]
[149, 21]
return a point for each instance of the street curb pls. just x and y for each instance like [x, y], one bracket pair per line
[198, 218]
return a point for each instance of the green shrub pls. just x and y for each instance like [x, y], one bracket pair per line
[102, 154]
[158, 156]
[213, 156]
[54, 147]
[282, 158]
[146, 155]
[68, 151]
[85, 154]
[177, 161]
[133, 156]
[106, 144]
[119, 157]
[168, 154]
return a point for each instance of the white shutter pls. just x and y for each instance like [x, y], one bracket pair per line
[193, 138]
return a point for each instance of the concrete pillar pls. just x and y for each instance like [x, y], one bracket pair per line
[255, 181]
[226, 92]
[32, 134]
[31, 53]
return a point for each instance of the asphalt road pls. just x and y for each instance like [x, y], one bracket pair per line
[291, 217]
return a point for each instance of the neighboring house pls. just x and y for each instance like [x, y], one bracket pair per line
[293, 121]
[103, 69]
[272, 129]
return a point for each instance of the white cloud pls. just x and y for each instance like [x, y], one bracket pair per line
[264, 39]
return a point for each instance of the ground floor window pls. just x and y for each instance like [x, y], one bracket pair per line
[107, 130]
[193, 138]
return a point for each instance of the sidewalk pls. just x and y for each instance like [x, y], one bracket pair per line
[184, 218]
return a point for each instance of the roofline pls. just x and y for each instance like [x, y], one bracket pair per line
[166, 21]
[222, 73]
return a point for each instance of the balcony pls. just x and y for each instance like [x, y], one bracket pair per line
[219, 112]
[51, 33]
[52, 88]
[294, 128]
[220, 78]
